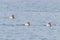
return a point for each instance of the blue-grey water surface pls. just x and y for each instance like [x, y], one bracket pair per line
[38, 12]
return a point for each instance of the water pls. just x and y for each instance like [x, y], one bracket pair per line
[38, 12]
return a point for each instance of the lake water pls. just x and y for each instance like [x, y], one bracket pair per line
[38, 12]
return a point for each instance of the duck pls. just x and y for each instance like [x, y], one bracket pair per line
[12, 17]
[27, 23]
[49, 24]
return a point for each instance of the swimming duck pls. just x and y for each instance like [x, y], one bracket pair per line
[49, 24]
[27, 23]
[12, 17]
